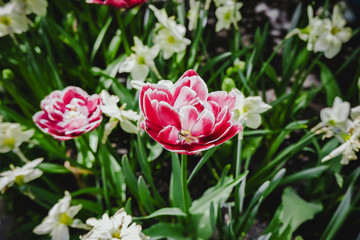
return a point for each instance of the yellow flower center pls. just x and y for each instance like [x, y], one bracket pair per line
[5, 20]
[171, 39]
[186, 136]
[141, 60]
[332, 122]
[9, 142]
[334, 30]
[19, 180]
[117, 233]
[65, 219]
[227, 16]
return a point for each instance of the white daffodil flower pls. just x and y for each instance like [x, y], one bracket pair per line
[119, 226]
[11, 20]
[116, 114]
[33, 6]
[170, 36]
[248, 110]
[348, 150]
[334, 34]
[20, 175]
[12, 136]
[336, 116]
[141, 61]
[59, 218]
[193, 14]
[228, 14]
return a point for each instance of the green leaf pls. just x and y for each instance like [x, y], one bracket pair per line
[339, 216]
[202, 208]
[305, 174]
[175, 195]
[130, 178]
[328, 80]
[295, 210]
[145, 196]
[166, 230]
[100, 38]
[163, 212]
[52, 168]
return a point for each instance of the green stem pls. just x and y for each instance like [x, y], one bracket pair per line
[20, 155]
[123, 33]
[238, 204]
[184, 186]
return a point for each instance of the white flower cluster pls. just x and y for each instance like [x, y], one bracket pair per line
[324, 35]
[169, 38]
[335, 122]
[119, 226]
[13, 17]
[227, 13]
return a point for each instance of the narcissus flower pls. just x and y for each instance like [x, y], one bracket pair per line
[20, 175]
[141, 61]
[116, 114]
[118, 3]
[12, 136]
[170, 36]
[119, 226]
[227, 14]
[60, 216]
[33, 6]
[69, 113]
[11, 20]
[185, 118]
[249, 109]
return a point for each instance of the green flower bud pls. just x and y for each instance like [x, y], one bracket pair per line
[228, 84]
[7, 74]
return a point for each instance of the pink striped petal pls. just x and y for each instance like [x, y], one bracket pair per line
[169, 135]
[204, 125]
[187, 96]
[188, 116]
[223, 99]
[168, 115]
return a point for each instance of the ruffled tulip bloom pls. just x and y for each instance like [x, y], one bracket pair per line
[118, 3]
[184, 117]
[69, 113]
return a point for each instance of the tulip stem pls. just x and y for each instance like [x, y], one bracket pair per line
[184, 182]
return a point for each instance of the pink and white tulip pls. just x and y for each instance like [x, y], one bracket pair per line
[69, 113]
[186, 118]
[118, 3]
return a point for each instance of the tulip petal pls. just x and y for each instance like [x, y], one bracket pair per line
[186, 96]
[169, 134]
[168, 115]
[188, 116]
[204, 125]
[223, 99]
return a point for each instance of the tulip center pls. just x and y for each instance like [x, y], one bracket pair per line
[185, 137]
[9, 142]
[171, 39]
[65, 219]
[5, 20]
[71, 114]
